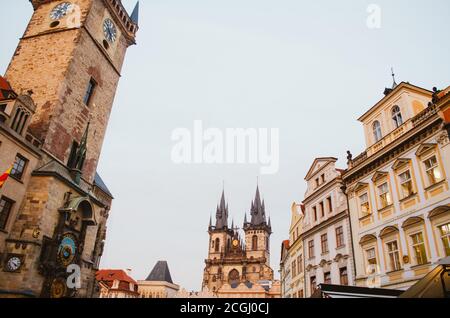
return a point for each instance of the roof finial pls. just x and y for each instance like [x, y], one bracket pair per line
[394, 84]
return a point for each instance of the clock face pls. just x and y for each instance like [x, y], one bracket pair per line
[60, 10]
[235, 243]
[13, 264]
[109, 30]
[58, 288]
[67, 250]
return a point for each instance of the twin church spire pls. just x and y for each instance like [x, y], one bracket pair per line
[257, 214]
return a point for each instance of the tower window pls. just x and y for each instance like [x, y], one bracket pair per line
[255, 243]
[19, 167]
[377, 131]
[90, 91]
[5, 210]
[2, 107]
[397, 116]
[217, 245]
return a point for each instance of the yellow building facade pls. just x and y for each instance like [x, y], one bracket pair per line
[398, 190]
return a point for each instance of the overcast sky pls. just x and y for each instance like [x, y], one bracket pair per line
[309, 68]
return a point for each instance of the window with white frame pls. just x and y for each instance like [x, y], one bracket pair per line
[377, 131]
[432, 170]
[394, 256]
[444, 231]
[397, 116]
[364, 204]
[384, 195]
[371, 258]
[406, 184]
[418, 246]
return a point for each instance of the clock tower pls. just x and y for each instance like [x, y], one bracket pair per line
[69, 60]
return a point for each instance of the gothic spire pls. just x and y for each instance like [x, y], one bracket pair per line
[222, 213]
[257, 211]
[135, 14]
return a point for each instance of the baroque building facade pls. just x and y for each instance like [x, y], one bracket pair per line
[326, 229]
[238, 267]
[56, 99]
[398, 188]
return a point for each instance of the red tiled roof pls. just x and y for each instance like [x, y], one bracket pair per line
[4, 87]
[109, 275]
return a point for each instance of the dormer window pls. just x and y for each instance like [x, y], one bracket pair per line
[377, 131]
[397, 116]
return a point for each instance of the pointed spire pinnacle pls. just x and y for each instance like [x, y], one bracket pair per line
[135, 14]
[245, 219]
[210, 221]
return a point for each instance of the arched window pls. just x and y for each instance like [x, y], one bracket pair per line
[255, 243]
[397, 116]
[217, 245]
[377, 131]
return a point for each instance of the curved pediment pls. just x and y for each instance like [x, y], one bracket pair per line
[412, 221]
[388, 230]
[438, 211]
[367, 238]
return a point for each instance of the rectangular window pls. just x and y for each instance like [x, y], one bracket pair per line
[445, 237]
[394, 256]
[339, 236]
[300, 264]
[323, 178]
[330, 205]
[313, 284]
[406, 184]
[327, 278]
[371, 260]
[5, 209]
[322, 209]
[300, 293]
[324, 243]
[19, 167]
[419, 248]
[294, 269]
[343, 276]
[89, 92]
[432, 170]
[384, 195]
[2, 107]
[364, 204]
[315, 213]
[311, 249]
[317, 183]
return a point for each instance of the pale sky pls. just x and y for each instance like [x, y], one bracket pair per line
[309, 68]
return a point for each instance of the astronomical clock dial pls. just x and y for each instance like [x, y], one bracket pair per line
[67, 250]
[13, 264]
[235, 243]
[109, 30]
[60, 10]
[58, 288]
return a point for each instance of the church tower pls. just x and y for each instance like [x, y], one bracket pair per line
[69, 61]
[258, 230]
[234, 265]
